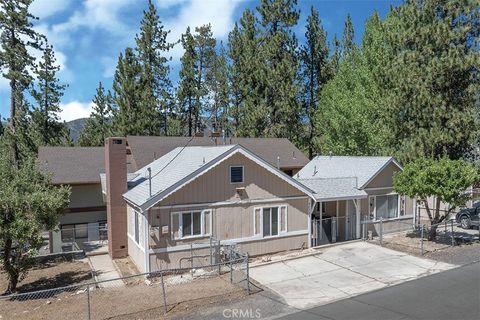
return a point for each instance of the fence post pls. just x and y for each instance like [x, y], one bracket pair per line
[164, 293]
[421, 237]
[88, 302]
[478, 225]
[453, 238]
[365, 229]
[191, 255]
[248, 275]
[211, 253]
[381, 231]
[218, 259]
[231, 266]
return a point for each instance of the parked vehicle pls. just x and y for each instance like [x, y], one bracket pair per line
[469, 216]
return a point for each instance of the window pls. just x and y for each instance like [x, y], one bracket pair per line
[270, 221]
[136, 231]
[385, 206]
[236, 174]
[191, 224]
[71, 232]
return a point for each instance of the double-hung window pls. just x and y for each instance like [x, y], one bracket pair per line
[270, 221]
[385, 206]
[195, 223]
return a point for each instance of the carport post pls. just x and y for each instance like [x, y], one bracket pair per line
[381, 231]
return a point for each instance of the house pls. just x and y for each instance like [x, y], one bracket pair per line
[80, 167]
[349, 190]
[196, 192]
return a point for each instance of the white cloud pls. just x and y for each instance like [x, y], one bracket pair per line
[109, 66]
[46, 8]
[165, 4]
[194, 13]
[75, 110]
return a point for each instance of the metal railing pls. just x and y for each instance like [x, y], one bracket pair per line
[142, 295]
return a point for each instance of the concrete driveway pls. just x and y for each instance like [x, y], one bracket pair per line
[340, 272]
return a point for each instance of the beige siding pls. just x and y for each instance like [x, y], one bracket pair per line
[215, 186]
[88, 195]
[384, 178]
[229, 222]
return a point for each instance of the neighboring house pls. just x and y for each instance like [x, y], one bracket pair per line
[349, 190]
[80, 167]
[192, 193]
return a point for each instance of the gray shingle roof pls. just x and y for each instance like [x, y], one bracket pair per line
[362, 168]
[72, 165]
[170, 169]
[334, 188]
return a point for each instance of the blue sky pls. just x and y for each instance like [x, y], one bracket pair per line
[88, 35]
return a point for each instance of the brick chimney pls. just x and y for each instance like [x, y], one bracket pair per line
[116, 175]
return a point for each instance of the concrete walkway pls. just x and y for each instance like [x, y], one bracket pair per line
[105, 270]
[341, 272]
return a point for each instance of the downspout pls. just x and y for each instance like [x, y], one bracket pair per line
[309, 222]
[146, 240]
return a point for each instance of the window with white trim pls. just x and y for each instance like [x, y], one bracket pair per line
[270, 221]
[190, 224]
[386, 206]
[236, 174]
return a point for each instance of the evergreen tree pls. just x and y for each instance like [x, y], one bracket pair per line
[187, 83]
[98, 126]
[348, 39]
[247, 78]
[128, 115]
[155, 85]
[205, 53]
[48, 130]
[336, 55]
[16, 39]
[281, 67]
[221, 94]
[433, 76]
[315, 72]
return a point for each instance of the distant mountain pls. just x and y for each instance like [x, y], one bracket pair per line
[75, 127]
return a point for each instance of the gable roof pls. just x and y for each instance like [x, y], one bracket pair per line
[72, 165]
[182, 165]
[81, 165]
[146, 149]
[342, 177]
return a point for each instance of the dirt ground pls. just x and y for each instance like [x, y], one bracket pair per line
[51, 275]
[139, 301]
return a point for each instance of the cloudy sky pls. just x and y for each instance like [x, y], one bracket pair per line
[88, 35]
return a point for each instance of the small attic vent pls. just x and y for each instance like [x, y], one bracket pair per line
[117, 141]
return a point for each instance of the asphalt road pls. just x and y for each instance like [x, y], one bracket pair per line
[452, 295]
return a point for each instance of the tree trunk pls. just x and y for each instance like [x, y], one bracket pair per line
[13, 274]
[432, 233]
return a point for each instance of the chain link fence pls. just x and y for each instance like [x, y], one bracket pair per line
[140, 296]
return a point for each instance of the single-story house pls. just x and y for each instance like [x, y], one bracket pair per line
[193, 193]
[80, 167]
[349, 190]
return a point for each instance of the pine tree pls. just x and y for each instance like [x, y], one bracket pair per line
[48, 130]
[221, 95]
[279, 47]
[98, 126]
[348, 39]
[128, 117]
[155, 85]
[336, 55]
[315, 72]
[247, 78]
[434, 101]
[17, 38]
[205, 53]
[187, 83]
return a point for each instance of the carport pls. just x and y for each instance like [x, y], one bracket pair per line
[337, 212]
[339, 272]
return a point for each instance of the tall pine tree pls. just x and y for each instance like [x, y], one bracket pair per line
[48, 130]
[155, 85]
[187, 83]
[16, 40]
[221, 94]
[348, 39]
[315, 72]
[279, 46]
[98, 126]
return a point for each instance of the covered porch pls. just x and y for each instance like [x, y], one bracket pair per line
[336, 213]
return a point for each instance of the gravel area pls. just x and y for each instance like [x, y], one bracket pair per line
[459, 255]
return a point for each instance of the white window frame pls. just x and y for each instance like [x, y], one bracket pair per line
[258, 230]
[243, 174]
[179, 215]
[399, 200]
